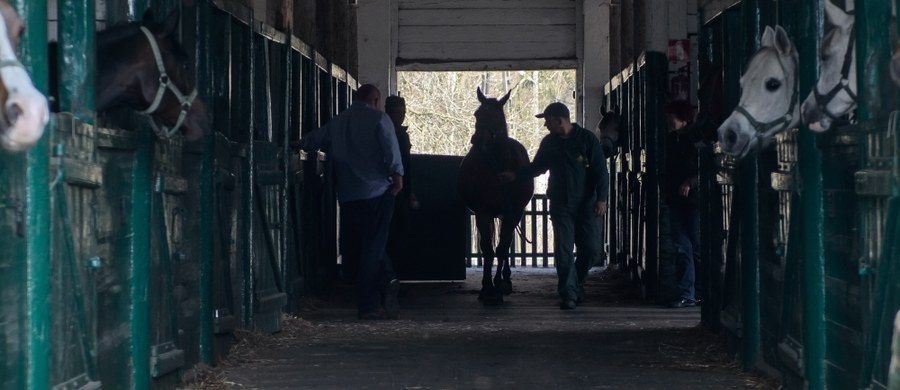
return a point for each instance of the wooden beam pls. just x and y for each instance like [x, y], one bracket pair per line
[507, 33]
[482, 4]
[529, 64]
[490, 17]
[485, 51]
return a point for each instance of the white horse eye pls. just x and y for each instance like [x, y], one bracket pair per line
[772, 85]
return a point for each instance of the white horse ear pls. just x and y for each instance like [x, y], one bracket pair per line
[481, 97]
[782, 42]
[836, 15]
[768, 37]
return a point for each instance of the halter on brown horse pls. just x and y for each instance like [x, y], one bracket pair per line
[24, 110]
[142, 66]
[493, 152]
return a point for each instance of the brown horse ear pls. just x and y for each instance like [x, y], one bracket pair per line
[505, 97]
[481, 97]
[171, 23]
[148, 18]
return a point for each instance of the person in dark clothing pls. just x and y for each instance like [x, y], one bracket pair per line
[578, 189]
[681, 175]
[398, 241]
[369, 175]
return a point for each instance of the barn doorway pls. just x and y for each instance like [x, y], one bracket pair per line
[440, 107]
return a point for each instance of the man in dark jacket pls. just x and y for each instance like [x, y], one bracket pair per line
[578, 189]
[681, 177]
[400, 237]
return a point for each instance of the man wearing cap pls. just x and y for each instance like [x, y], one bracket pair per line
[578, 188]
[398, 241]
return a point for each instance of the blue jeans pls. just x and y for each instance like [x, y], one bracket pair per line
[365, 232]
[578, 227]
[684, 222]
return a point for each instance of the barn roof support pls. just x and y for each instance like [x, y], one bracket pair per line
[33, 54]
[807, 31]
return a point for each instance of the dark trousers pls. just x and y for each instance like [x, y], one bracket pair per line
[365, 233]
[574, 227]
[400, 240]
[684, 222]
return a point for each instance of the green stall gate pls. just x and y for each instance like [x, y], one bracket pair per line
[799, 242]
[637, 234]
[803, 277]
[127, 259]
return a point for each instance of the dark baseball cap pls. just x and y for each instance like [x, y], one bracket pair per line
[556, 110]
[392, 102]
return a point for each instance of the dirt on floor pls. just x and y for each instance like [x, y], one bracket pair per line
[446, 339]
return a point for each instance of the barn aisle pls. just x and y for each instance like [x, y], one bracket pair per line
[447, 340]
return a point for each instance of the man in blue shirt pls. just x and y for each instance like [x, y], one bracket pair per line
[369, 173]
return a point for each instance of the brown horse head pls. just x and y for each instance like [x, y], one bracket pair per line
[490, 121]
[25, 111]
[608, 128]
[143, 66]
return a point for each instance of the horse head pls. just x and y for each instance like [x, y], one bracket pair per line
[142, 66]
[25, 112]
[834, 94]
[608, 128]
[768, 103]
[490, 121]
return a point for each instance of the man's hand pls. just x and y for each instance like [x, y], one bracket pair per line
[506, 177]
[396, 184]
[413, 202]
[599, 208]
[685, 188]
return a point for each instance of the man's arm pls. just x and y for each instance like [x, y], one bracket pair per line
[388, 140]
[318, 139]
[601, 174]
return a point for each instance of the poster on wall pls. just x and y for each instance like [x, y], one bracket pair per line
[679, 56]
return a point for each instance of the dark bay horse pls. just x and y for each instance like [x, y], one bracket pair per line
[24, 112]
[143, 67]
[492, 152]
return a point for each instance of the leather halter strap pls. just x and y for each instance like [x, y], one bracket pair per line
[165, 83]
[766, 129]
[822, 100]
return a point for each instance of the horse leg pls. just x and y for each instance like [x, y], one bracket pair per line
[507, 228]
[485, 225]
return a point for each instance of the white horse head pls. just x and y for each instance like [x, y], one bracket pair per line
[768, 102]
[834, 94]
[24, 112]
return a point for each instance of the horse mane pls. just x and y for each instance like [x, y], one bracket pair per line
[117, 33]
[127, 30]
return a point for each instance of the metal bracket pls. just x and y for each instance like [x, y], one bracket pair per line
[80, 382]
[873, 182]
[165, 358]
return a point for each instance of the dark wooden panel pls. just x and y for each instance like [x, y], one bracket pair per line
[437, 239]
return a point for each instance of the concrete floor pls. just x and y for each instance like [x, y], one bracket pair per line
[446, 339]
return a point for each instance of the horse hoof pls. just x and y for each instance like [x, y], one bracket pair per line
[507, 287]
